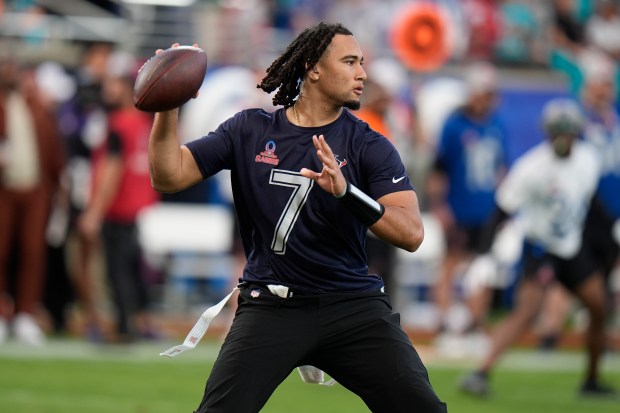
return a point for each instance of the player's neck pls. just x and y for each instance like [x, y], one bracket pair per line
[306, 113]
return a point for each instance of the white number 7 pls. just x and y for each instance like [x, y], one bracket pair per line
[301, 188]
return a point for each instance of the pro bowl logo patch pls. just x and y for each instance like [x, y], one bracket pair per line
[254, 293]
[268, 156]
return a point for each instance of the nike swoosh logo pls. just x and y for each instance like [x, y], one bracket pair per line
[395, 181]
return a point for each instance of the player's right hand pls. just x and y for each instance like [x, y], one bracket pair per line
[330, 178]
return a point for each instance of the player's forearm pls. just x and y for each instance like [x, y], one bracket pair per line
[165, 151]
[400, 228]
[401, 224]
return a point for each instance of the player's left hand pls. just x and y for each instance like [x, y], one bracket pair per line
[330, 178]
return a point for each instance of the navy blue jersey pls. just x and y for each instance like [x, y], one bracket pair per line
[293, 232]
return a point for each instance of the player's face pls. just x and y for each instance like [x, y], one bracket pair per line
[483, 103]
[601, 92]
[341, 72]
[562, 144]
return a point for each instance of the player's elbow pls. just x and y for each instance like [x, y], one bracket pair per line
[163, 186]
[409, 237]
[414, 235]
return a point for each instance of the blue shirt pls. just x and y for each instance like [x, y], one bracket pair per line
[294, 233]
[473, 155]
[605, 135]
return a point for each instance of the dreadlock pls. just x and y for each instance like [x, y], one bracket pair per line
[287, 71]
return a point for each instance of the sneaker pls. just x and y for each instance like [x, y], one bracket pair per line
[26, 330]
[476, 384]
[548, 342]
[4, 330]
[94, 334]
[596, 389]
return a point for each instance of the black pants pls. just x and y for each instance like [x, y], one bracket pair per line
[356, 338]
[124, 274]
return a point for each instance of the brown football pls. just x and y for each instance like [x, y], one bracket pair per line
[170, 78]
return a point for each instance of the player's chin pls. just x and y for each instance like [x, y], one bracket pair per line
[353, 104]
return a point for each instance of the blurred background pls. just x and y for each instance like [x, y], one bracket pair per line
[74, 61]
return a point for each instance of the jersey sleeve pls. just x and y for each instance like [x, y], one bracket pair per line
[214, 151]
[384, 168]
[513, 191]
[592, 160]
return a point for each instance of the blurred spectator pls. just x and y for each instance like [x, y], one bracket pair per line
[83, 125]
[518, 42]
[568, 42]
[397, 116]
[374, 111]
[36, 29]
[471, 160]
[602, 128]
[549, 189]
[603, 28]
[387, 108]
[122, 188]
[483, 19]
[31, 161]
[568, 31]
[56, 88]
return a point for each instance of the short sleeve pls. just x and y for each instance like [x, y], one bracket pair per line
[214, 151]
[385, 172]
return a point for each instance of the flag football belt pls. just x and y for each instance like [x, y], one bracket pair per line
[309, 374]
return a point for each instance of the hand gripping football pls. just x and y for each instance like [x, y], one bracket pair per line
[170, 78]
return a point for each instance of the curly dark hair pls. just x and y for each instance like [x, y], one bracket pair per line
[287, 71]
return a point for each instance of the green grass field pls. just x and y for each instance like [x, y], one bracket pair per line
[72, 377]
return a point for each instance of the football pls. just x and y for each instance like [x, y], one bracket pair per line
[170, 78]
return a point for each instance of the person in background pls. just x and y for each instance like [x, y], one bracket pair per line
[602, 30]
[82, 122]
[122, 188]
[471, 159]
[598, 99]
[376, 102]
[31, 162]
[549, 188]
[56, 87]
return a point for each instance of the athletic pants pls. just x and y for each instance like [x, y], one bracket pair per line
[23, 219]
[125, 278]
[356, 338]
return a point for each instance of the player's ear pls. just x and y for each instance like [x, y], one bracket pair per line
[312, 72]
